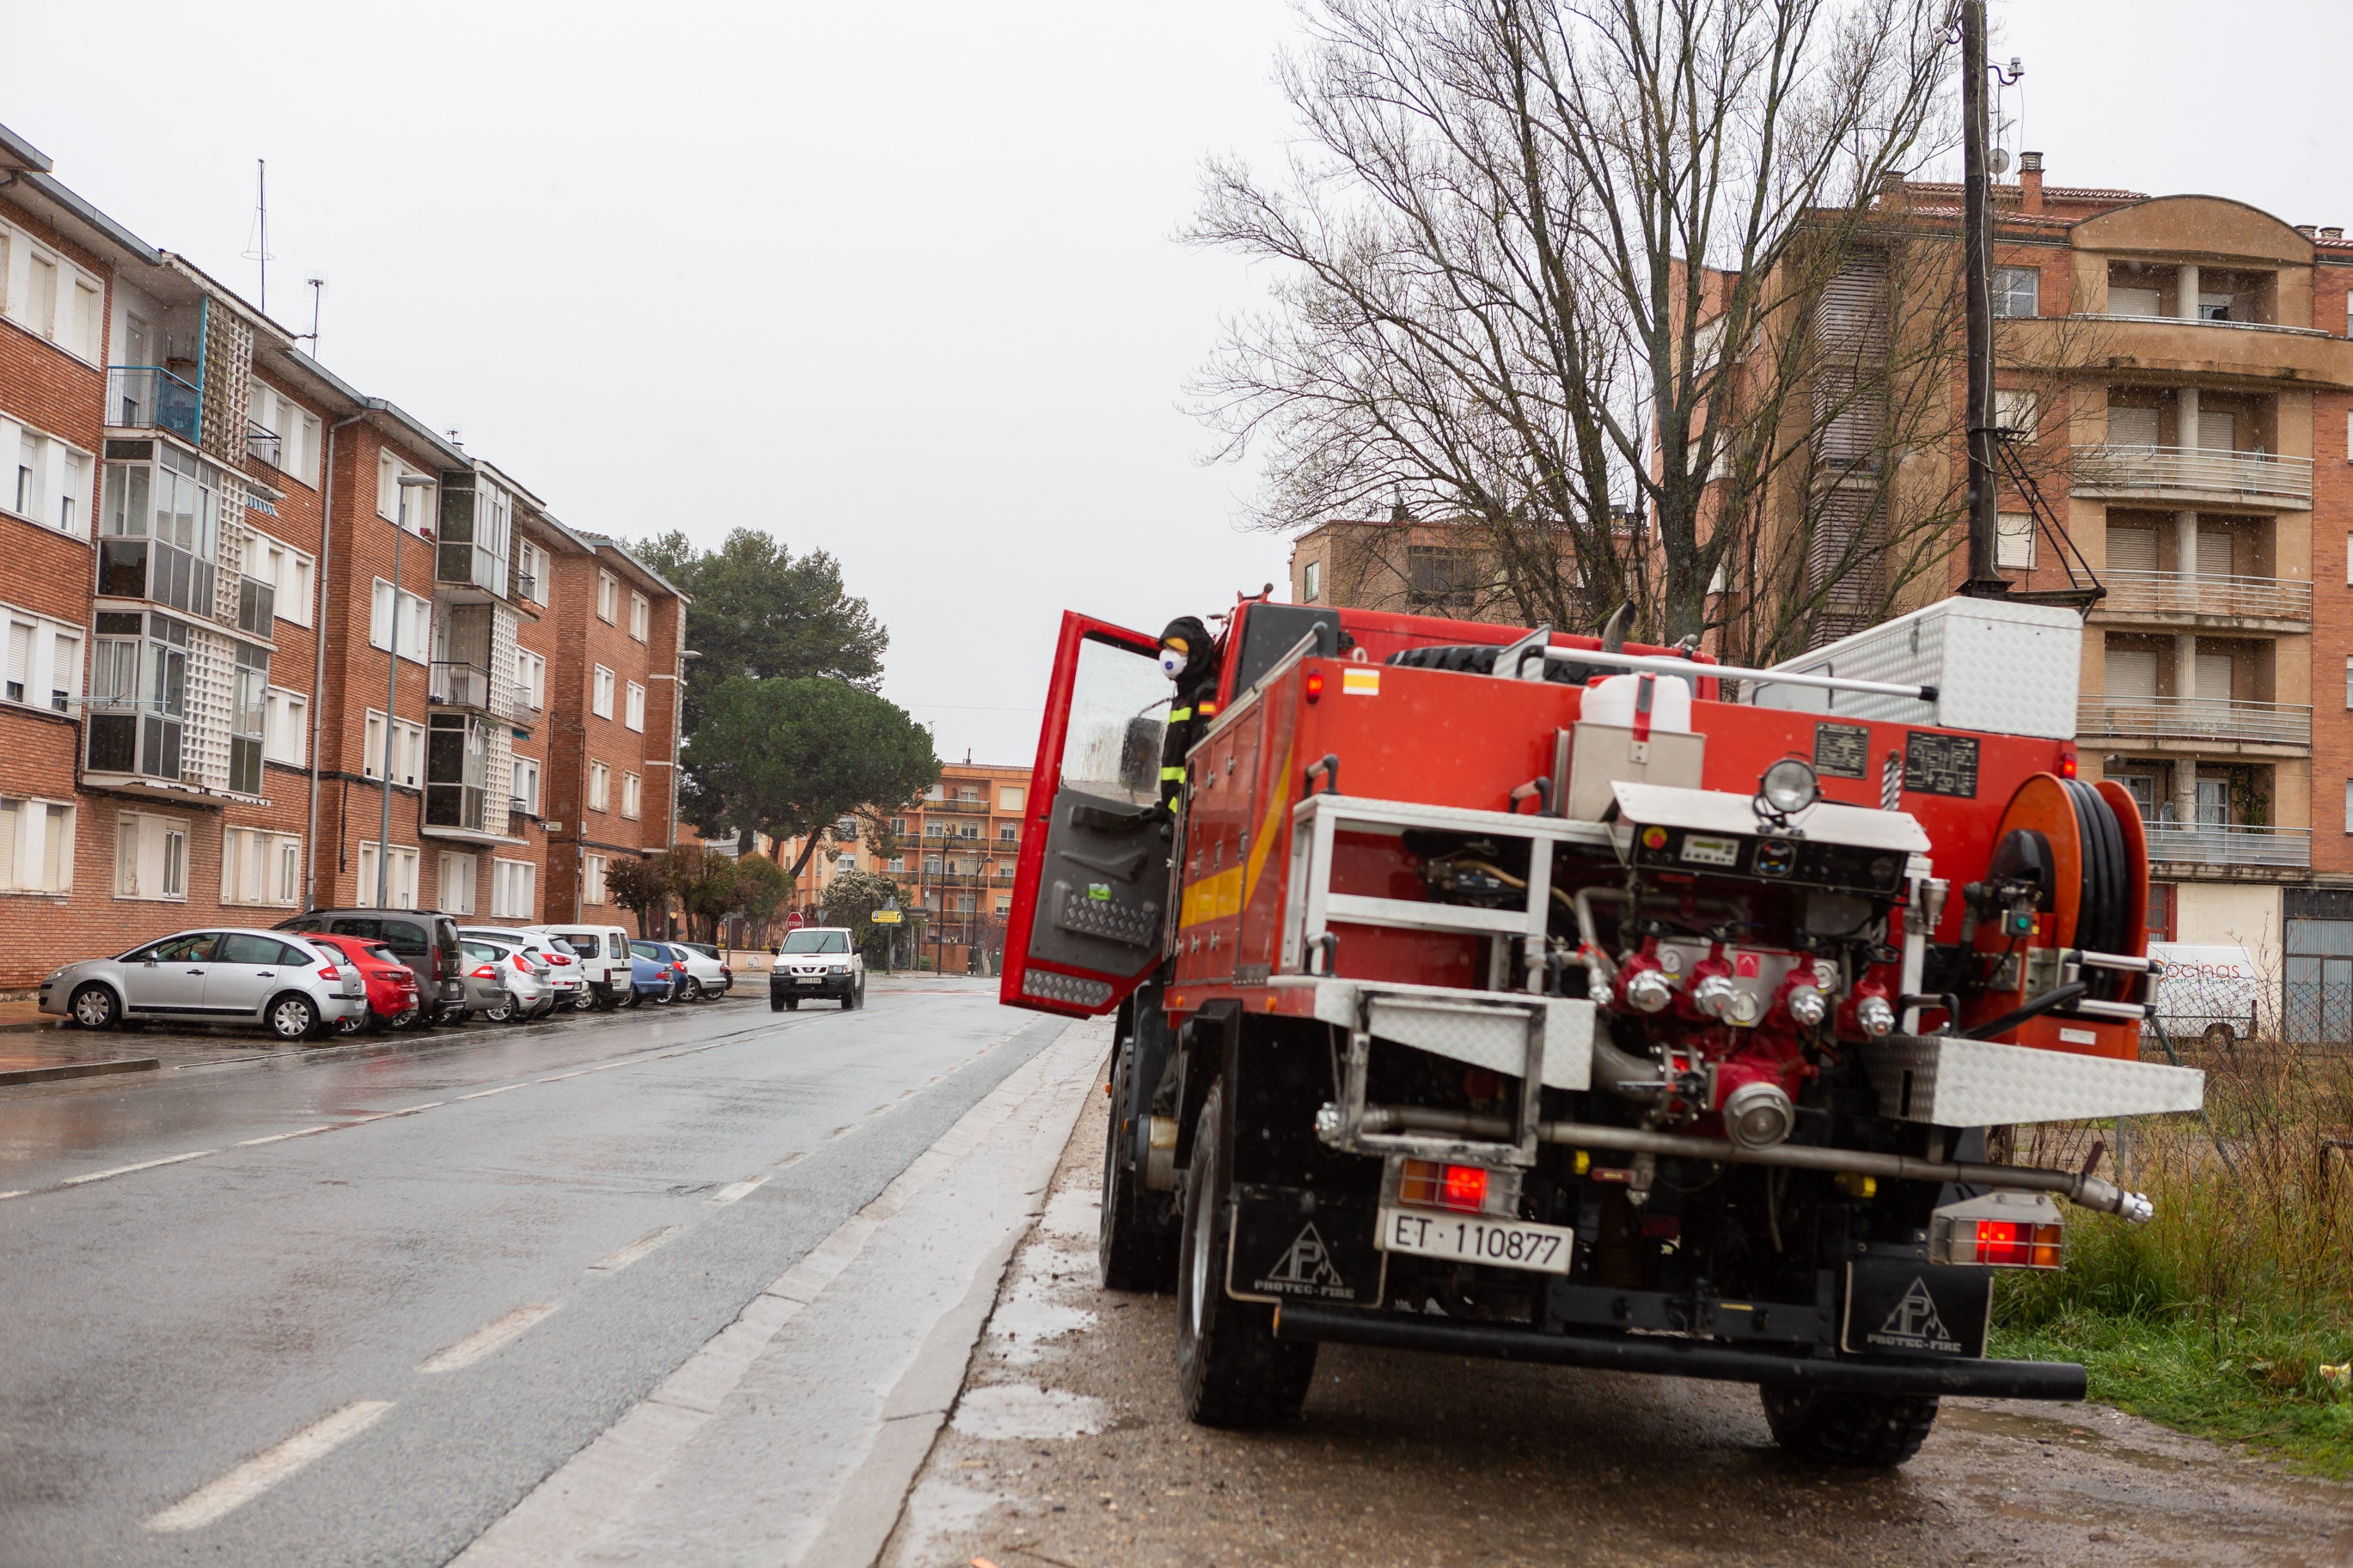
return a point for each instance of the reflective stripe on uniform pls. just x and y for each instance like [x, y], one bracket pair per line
[1178, 715]
[1168, 775]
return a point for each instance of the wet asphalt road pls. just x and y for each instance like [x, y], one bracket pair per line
[404, 1241]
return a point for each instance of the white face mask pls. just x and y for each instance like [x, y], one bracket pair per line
[1172, 663]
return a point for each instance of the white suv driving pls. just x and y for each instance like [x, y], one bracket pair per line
[818, 960]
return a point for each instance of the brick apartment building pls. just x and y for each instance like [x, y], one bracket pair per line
[954, 851]
[1411, 565]
[202, 613]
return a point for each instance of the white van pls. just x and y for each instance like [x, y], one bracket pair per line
[604, 960]
[2207, 993]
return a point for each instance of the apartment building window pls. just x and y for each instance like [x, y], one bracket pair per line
[2014, 540]
[456, 881]
[151, 857]
[600, 787]
[526, 784]
[288, 737]
[288, 573]
[48, 479]
[1008, 797]
[1441, 576]
[845, 863]
[930, 865]
[410, 506]
[415, 616]
[896, 863]
[2017, 292]
[260, 867]
[512, 883]
[634, 714]
[592, 879]
[629, 796]
[600, 698]
[407, 750]
[2349, 805]
[139, 695]
[248, 718]
[531, 568]
[530, 679]
[36, 844]
[2018, 413]
[282, 433]
[642, 617]
[60, 302]
[1008, 834]
[42, 667]
[609, 597]
[400, 893]
[161, 531]
[1311, 581]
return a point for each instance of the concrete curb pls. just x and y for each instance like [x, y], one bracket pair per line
[77, 1070]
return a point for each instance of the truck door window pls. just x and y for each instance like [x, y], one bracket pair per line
[1119, 712]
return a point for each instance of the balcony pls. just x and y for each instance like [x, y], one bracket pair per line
[2172, 596]
[2256, 848]
[2140, 318]
[962, 807]
[263, 444]
[149, 397]
[2210, 724]
[130, 568]
[460, 685]
[2199, 477]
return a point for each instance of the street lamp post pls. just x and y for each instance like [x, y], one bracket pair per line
[410, 485]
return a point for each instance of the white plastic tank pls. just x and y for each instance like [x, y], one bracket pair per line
[1613, 699]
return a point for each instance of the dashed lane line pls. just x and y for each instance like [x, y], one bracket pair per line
[142, 1165]
[743, 1189]
[281, 1137]
[483, 1341]
[210, 1503]
[635, 1249]
[486, 1093]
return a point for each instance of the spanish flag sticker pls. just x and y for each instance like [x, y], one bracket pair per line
[1361, 682]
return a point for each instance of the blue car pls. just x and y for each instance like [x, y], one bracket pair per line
[651, 978]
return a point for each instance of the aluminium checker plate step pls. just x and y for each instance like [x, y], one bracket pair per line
[1484, 1028]
[1951, 1082]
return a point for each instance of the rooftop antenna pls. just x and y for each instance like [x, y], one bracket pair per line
[260, 251]
[316, 285]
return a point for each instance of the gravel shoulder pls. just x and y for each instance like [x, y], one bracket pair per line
[1067, 1447]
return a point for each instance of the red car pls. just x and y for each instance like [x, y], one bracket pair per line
[391, 983]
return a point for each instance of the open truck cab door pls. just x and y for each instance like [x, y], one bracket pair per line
[1089, 901]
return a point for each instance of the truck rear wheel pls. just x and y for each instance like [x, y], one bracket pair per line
[1137, 1250]
[1835, 1428]
[1230, 1369]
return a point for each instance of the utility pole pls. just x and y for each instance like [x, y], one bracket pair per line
[1985, 580]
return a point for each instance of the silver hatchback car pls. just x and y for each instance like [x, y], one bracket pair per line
[522, 969]
[217, 976]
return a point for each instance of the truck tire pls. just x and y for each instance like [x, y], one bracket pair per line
[1863, 1430]
[1137, 1251]
[1230, 1369]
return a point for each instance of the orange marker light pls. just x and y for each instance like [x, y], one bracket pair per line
[1315, 684]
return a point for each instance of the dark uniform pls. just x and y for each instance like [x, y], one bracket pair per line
[1189, 658]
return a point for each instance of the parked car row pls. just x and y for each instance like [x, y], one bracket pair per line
[346, 971]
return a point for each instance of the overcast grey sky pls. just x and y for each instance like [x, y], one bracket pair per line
[898, 283]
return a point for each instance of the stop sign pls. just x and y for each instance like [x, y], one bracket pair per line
[793, 921]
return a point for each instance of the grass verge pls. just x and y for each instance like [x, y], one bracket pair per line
[2230, 1315]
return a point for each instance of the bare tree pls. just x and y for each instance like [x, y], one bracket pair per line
[1545, 259]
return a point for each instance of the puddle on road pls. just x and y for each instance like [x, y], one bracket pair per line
[1021, 1410]
[1072, 1212]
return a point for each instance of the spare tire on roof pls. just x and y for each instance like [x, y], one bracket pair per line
[1479, 658]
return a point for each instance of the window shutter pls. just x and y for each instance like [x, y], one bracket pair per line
[2132, 672]
[2132, 426]
[2214, 671]
[11, 818]
[2131, 549]
[20, 662]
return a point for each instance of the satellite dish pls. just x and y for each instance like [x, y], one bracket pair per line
[1999, 161]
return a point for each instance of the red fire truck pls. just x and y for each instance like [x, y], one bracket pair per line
[1505, 994]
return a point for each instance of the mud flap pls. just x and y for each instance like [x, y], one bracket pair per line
[1291, 1245]
[1895, 1306]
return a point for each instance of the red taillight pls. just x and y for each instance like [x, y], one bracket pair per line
[2067, 765]
[2007, 1244]
[486, 972]
[680, 967]
[1313, 684]
[559, 958]
[519, 962]
[1465, 1188]
[331, 972]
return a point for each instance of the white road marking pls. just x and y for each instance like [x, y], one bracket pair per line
[413, 1110]
[728, 1195]
[266, 1469]
[795, 1158]
[635, 1249]
[281, 1137]
[19, 1192]
[559, 1078]
[482, 1341]
[143, 1165]
[486, 1093]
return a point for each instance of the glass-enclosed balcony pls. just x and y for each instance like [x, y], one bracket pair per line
[477, 529]
[138, 696]
[456, 684]
[458, 774]
[160, 530]
[149, 397]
